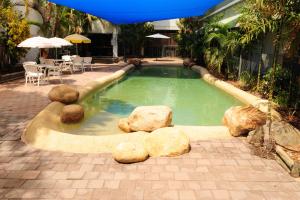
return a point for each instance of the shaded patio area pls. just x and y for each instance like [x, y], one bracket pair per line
[214, 169]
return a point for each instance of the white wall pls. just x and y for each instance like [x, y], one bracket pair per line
[166, 25]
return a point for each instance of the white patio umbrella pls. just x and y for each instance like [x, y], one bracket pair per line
[60, 42]
[158, 36]
[37, 42]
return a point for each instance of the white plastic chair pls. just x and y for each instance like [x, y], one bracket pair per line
[78, 64]
[32, 72]
[55, 71]
[66, 58]
[87, 62]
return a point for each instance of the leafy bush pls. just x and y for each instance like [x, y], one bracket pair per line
[285, 86]
[13, 30]
[247, 80]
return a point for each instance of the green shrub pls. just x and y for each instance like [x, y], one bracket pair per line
[285, 87]
[247, 80]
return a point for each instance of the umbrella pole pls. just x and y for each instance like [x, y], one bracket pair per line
[76, 49]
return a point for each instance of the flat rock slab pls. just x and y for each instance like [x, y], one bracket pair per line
[284, 134]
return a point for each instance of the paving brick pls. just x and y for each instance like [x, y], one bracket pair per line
[187, 195]
[67, 193]
[95, 184]
[221, 194]
[79, 183]
[111, 184]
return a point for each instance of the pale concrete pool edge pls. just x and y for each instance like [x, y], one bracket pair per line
[45, 126]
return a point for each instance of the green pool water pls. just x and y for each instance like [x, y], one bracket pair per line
[193, 101]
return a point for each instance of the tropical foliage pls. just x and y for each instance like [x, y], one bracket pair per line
[280, 17]
[208, 41]
[220, 44]
[61, 21]
[189, 37]
[133, 36]
[13, 30]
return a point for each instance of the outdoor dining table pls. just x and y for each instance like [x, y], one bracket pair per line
[58, 61]
[44, 68]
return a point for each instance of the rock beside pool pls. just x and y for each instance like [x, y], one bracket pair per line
[284, 134]
[135, 61]
[150, 118]
[242, 119]
[188, 62]
[128, 152]
[167, 142]
[64, 94]
[72, 114]
[124, 125]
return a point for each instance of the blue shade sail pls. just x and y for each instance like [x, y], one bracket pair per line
[134, 11]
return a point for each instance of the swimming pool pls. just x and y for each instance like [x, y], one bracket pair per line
[193, 101]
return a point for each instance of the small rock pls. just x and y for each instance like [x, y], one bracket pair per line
[150, 118]
[72, 113]
[128, 152]
[256, 137]
[124, 126]
[64, 94]
[242, 119]
[135, 61]
[187, 62]
[167, 142]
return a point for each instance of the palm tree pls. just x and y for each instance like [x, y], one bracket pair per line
[221, 43]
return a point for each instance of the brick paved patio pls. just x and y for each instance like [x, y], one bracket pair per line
[215, 169]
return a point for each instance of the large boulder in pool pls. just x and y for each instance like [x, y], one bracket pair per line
[64, 94]
[284, 135]
[150, 118]
[72, 114]
[242, 119]
[128, 152]
[167, 142]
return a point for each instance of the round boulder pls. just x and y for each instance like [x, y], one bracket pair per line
[167, 142]
[64, 94]
[242, 119]
[72, 114]
[135, 61]
[128, 152]
[124, 126]
[187, 62]
[150, 118]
